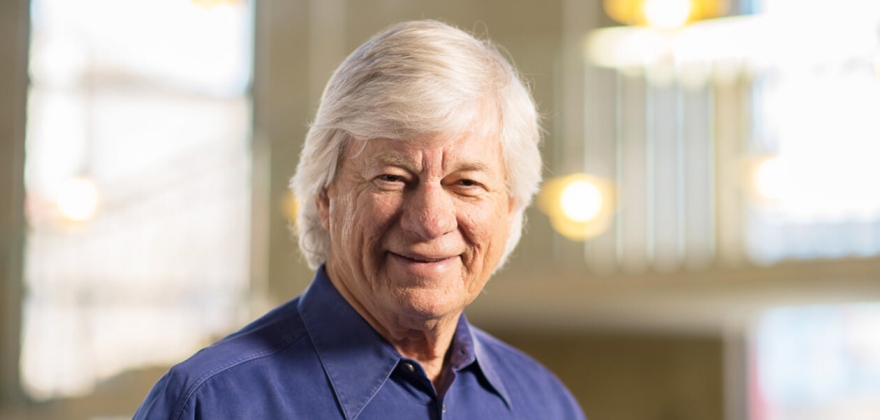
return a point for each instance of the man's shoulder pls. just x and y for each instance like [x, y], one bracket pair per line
[255, 350]
[268, 335]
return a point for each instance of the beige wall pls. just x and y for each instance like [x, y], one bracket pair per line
[633, 377]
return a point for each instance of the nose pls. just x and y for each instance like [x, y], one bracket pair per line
[429, 212]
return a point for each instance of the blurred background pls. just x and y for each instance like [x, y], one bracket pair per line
[706, 244]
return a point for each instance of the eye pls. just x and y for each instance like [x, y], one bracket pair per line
[390, 178]
[390, 181]
[469, 187]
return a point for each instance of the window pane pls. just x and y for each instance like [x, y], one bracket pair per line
[145, 102]
[816, 106]
[817, 363]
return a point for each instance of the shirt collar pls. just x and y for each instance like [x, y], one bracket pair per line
[468, 349]
[358, 360]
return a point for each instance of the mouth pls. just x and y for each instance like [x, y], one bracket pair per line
[424, 259]
[423, 269]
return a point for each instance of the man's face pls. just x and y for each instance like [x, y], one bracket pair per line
[417, 227]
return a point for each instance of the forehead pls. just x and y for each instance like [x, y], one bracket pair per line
[464, 152]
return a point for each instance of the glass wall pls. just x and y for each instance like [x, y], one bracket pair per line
[138, 186]
[815, 133]
[742, 140]
[816, 363]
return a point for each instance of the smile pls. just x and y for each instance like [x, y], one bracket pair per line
[423, 258]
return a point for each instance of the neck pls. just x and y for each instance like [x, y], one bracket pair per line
[424, 340]
[429, 347]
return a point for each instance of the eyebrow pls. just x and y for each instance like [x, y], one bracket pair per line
[399, 161]
[395, 160]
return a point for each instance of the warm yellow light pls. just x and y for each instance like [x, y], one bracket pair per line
[664, 13]
[667, 14]
[78, 199]
[580, 206]
[771, 178]
[581, 201]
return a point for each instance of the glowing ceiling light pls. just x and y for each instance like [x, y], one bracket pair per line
[771, 178]
[580, 206]
[581, 201]
[78, 199]
[667, 14]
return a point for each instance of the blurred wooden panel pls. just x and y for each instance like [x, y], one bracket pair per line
[14, 27]
[619, 377]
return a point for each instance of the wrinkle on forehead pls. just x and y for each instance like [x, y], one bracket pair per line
[394, 159]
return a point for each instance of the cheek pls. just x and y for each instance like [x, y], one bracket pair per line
[487, 229]
[347, 229]
[364, 219]
[339, 223]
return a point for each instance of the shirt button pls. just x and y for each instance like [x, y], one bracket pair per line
[444, 409]
[409, 366]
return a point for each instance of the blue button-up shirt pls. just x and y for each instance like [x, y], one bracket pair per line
[315, 357]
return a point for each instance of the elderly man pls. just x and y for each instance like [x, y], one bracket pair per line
[413, 182]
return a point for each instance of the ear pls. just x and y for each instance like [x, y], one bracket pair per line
[322, 202]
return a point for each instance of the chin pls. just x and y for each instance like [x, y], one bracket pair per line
[429, 305]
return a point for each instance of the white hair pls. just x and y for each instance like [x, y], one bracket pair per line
[415, 79]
